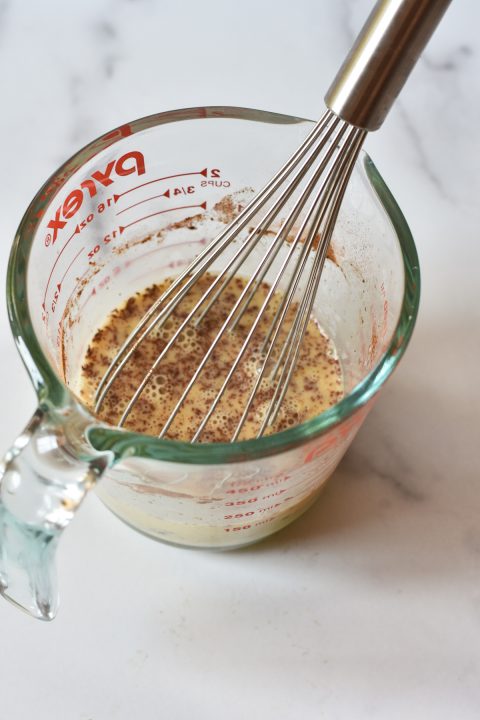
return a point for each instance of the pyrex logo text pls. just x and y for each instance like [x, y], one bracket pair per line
[125, 165]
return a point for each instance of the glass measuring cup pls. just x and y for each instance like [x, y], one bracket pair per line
[130, 208]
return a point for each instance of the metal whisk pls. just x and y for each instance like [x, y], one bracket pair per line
[309, 188]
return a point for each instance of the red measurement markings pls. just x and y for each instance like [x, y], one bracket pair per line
[57, 292]
[238, 528]
[82, 307]
[118, 270]
[59, 285]
[74, 200]
[160, 212]
[75, 232]
[154, 197]
[174, 245]
[80, 279]
[203, 172]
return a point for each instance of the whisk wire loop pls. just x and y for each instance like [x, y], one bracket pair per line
[205, 258]
[313, 217]
[293, 343]
[288, 296]
[311, 185]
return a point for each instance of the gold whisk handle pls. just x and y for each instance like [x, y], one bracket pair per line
[377, 66]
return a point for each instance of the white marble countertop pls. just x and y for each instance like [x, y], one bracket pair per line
[368, 606]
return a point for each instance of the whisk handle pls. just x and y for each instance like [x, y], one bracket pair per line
[382, 58]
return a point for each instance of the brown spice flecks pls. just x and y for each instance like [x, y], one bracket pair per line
[189, 222]
[316, 383]
[331, 254]
[227, 209]
[316, 241]
[224, 211]
[69, 318]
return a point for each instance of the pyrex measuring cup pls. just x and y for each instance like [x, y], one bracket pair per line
[135, 206]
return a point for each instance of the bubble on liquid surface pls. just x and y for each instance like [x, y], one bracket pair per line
[316, 383]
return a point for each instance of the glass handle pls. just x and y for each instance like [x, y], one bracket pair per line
[43, 479]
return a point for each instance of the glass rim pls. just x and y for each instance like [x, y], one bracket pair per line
[53, 392]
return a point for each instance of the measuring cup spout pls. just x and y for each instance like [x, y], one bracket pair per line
[43, 480]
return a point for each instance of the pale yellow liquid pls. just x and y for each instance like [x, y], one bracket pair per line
[315, 386]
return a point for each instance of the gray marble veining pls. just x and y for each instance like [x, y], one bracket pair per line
[369, 606]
